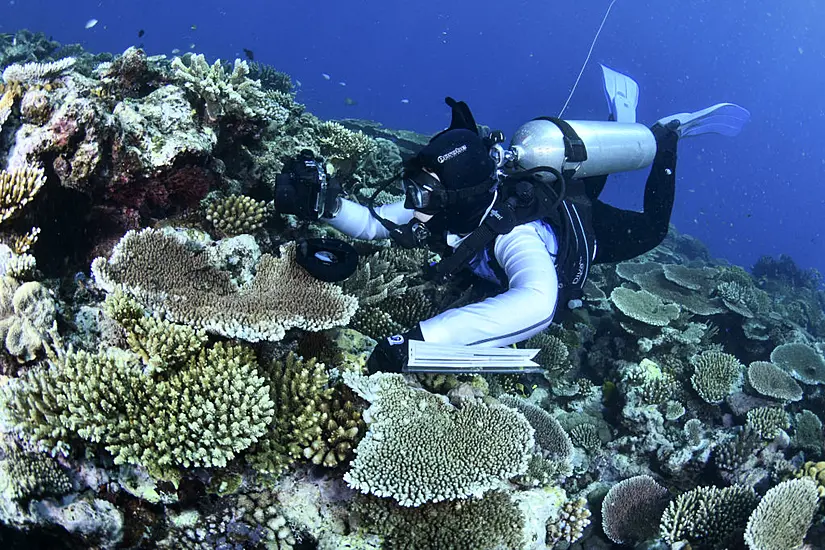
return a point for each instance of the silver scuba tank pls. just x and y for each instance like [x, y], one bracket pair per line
[610, 147]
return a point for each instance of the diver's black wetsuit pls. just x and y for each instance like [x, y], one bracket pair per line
[625, 234]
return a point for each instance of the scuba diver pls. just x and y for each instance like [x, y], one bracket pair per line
[527, 219]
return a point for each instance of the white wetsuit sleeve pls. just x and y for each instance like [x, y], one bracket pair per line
[357, 221]
[525, 309]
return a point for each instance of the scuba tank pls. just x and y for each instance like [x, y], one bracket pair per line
[576, 148]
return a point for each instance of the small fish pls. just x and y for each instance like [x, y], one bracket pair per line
[175, 51]
[91, 23]
[325, 75]
[298, 84]
[141, 32]
[342, 83]
[192, 46]
[249, 54]
[193, 27]
[350, 102]
[405, 100]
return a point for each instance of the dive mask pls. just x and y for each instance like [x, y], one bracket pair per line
[423, 192]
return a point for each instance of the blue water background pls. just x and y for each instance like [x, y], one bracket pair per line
[760, 193]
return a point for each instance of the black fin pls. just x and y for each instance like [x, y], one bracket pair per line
[462, 117]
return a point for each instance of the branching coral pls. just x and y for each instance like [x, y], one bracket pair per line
[18, 188]
[816, 472]
[165, 274]
[227, 95]
[808, 432]
[553, 354]
[421, 449]
[237, 214]
[201, 415]
[632, 508]
[375, 280]
[28, 475]
[783, 517]
[707, 517]
[767, 421]
[555, 446]
[340, 144]
[716, 375]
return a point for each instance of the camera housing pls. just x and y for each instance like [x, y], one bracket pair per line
[305, 189]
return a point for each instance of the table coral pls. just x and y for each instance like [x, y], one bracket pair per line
[768, 379]
[421, 449]
[170, 276]
[800, 361]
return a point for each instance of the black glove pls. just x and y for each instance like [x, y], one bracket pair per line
[390, 355]
[666, 136]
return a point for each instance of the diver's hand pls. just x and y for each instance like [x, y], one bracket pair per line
[666, 136]
[390, 355]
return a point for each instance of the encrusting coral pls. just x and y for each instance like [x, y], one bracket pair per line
[420, 449]
[166, 275]
[27, 317]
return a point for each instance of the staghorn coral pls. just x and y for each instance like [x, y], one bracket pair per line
[421, 449]
[716, 375]
[165, 274]
[27, 317]
[491, 522]
[767, 421]
[569, 526]
[17, 188]
[643, 306]
[783, 517]
[28, 475]
[201, 415]
[34, 73]
[768, 379]
[375, 280]
[237, 214]
[707, 517]
[632, 508]
[800, 361]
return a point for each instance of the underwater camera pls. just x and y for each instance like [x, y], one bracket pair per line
[304, 188]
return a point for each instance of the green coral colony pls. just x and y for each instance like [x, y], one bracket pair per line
[201, 390]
